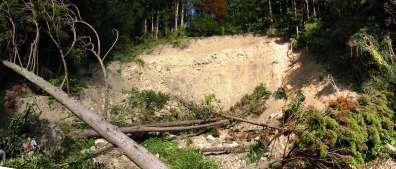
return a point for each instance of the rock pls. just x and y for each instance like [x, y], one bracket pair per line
[181, 144]
[211, 142]
[172, 136]
[210, 137]
[99, 143]
[234, 144]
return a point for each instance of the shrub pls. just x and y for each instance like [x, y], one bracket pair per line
[203, 25]
[345, 102]
[342, 135]
[12, 95]
[256, 150]
[178, 158]
[255, 103]
[19, 128]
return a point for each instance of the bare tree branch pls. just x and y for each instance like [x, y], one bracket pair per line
[251, 122]
[146, 129]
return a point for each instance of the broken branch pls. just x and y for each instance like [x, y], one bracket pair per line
[223, 150]
[145, 129]
[251, 122]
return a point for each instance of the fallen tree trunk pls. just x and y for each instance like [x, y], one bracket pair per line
[251, 122]
[223, 150]
[144, 129]
[138, 154]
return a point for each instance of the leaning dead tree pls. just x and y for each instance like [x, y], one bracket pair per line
[23, 25]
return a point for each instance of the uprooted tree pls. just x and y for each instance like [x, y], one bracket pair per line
[27, 28]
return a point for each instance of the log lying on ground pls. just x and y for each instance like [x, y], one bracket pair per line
[144, 129]
[251, 122]
[223, 150]
[138, 154]
[183, 123]
[164, 127]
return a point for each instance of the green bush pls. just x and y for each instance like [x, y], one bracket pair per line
[203, 25]
[345, 134]
[256, 151]
[178, 158]
[19, 129]
[255, 103]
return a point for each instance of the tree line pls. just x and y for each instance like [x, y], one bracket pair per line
[329, 29]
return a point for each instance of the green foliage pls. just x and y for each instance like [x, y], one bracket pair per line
[75, 84]
[154, 100]
[28, 162]
[255, 103]
[199, 111]
[130, 52]
[35, 161]
[86, 143]
[203, 25]
[316, 38]
[256, 151]
[140, 108]
[178, 158]
[280, 94]
[373, 51]
[19, 129]
[143, 107]
[294, 106]
[357, 135]
[145, 103]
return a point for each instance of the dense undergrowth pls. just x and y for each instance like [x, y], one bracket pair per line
[253, 104]
[349, 132]
[141, 104]
[178, 158]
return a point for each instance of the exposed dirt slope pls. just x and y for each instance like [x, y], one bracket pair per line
[228, 67]
[309, 76]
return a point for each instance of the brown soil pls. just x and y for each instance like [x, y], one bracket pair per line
[228, 67]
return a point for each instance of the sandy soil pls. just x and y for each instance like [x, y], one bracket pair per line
[309, 76]
[228, 67]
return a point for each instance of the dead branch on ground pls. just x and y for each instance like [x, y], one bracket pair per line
[251, 122]
[145, 129]
[223, 150]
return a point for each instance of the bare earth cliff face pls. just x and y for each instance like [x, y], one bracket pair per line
[228, 67]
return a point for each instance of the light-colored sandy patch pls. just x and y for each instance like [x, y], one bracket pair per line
[228, 67]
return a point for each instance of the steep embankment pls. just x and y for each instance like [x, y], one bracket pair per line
[229, 67]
